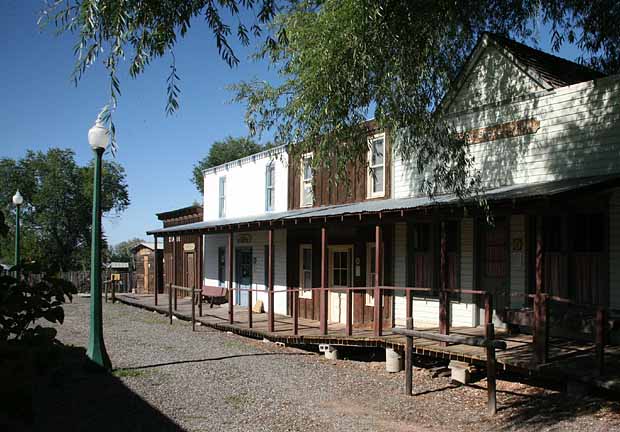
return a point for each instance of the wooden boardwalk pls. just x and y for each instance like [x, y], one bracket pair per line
[518, 357]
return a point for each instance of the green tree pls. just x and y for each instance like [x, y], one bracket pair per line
[122, 251]
[224, 151]
[343, 61]
[57, 205]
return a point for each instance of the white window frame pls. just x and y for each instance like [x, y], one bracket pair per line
[221, 197]
[270, 189]
[371, 193]
[303, 181]
[304, 293]
[370, 251]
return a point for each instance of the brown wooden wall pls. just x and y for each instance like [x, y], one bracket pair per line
[177, 262]
[333, 192]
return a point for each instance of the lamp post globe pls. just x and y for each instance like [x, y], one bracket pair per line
[98, 139]
[18, 200]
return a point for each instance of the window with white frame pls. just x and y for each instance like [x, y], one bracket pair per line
[222, 196]
[305, 271]
[307, 176]
[376, 166]
[371, 269]
[270, 176]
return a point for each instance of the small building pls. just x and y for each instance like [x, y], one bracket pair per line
[144, 258]
[182, 257]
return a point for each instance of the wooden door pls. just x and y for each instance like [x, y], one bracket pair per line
[494, 276]
[308, 299]
[189, 264]
[340, 276]
[243, 275]
[145, 263]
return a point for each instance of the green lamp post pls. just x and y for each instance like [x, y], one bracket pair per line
[98, 138]
[18, 200]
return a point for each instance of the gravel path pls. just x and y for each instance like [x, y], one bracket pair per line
[213, 381]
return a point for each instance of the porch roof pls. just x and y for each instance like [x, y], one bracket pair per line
[512, 192]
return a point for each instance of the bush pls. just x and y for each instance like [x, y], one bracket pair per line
[24, 301]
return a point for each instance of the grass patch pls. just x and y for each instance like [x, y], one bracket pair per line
[128, 373]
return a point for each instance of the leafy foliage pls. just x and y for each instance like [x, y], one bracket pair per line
[57, 209]
[344, 61]
[23, 302]
[121, 252]
[143, 31]
[224, 151]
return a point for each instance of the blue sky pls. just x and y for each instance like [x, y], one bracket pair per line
[41, 108]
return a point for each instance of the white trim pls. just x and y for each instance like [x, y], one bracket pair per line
[370, 193]
[370, 295]
[303, 181]
[238, 162]
[304, 293]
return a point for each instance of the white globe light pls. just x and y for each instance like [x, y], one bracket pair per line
[98, 136]
[18, 199]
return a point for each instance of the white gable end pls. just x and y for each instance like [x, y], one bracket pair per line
[493, 77]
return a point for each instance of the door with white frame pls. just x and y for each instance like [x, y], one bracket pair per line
[340, 276]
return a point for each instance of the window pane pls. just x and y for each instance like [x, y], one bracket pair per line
[307, 169]
[307, 257]
[307, 280]
[377, 152]
[377, 179]
[307, 197]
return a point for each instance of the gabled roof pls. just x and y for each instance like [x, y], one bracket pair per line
[148, 245]
[554, 70]
[547, 70]
[184, 211]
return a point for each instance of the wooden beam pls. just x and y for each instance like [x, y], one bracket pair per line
[323, 295]
[491, 365]
[478, 341]
[444, 297]
[170, 302]
[231, 310]
[409, 359]
[377, 310]
[200, 272]
[156, 269]
[270, 299]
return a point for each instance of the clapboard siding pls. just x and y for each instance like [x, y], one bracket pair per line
[245, 185]
[614, 250]
[578, 136]
[492, 79]
[257, 242]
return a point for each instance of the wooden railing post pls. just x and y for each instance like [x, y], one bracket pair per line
[114, 291]
[170, 301]
[491, 389]
[270, 297]
[541, 328]
[200, 275]
[378, 315]
[409, 360]
[601, 339]
[231, 310]
[193, 309]
[409, 305]
[349, 320]
[105, 290]
[323, 295]
[296, 312]
[156, 270]
[488, 309]
[175, 296]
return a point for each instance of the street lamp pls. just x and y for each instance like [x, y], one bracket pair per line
[18, 200]
[98, 138]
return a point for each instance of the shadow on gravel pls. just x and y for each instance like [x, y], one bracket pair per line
[176, 362]
[61, 390]
[544, 410]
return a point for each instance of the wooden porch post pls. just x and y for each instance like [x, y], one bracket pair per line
[541, 308]
[296, 311]
[270, 312]
[601, 339]
[174, 267]
[156, 269]
[323, 293]
[200, 275]
[444, 298]
[231, 311]
[378, 315]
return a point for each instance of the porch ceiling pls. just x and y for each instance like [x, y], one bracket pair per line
[513, 192]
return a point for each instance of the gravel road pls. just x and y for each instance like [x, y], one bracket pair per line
[168, 378]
